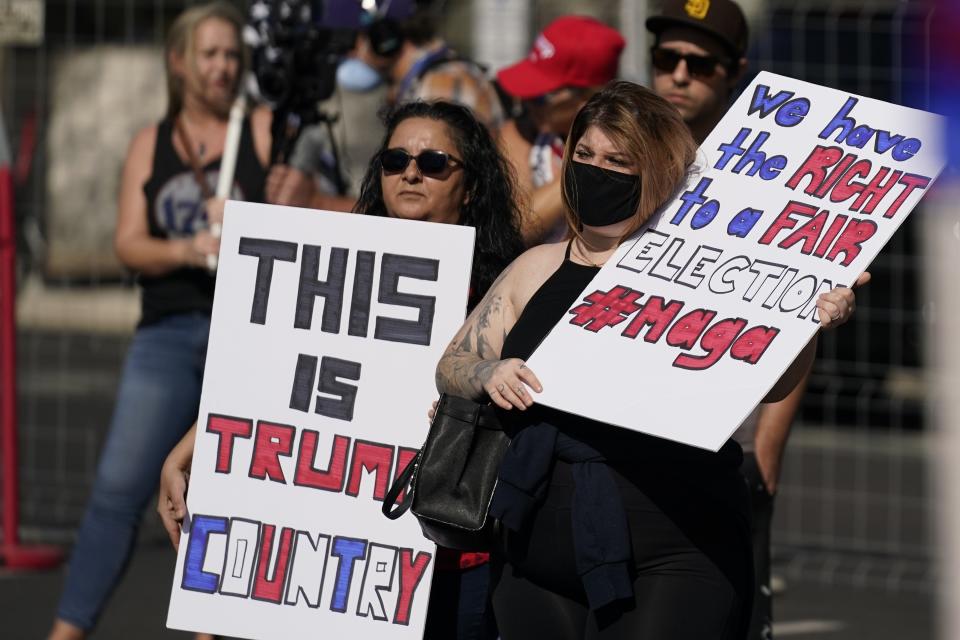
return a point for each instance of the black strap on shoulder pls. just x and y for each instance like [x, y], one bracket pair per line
[164, 155]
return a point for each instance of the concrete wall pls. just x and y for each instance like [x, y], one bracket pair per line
[99, 97]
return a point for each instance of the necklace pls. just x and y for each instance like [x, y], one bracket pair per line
[198, 174]
[188, 141]
[188, 122]
[586, 258]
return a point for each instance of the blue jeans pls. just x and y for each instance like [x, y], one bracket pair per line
[158, 400]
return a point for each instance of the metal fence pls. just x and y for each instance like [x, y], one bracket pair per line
[76, 307]
[854, 502]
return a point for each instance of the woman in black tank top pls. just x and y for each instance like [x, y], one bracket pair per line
[609, 533]
[163, 234]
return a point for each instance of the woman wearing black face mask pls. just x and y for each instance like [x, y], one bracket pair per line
[610, 533]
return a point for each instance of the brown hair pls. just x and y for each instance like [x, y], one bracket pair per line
[648, 130]
[180, 42]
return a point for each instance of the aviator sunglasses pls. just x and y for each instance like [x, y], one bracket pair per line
[429, 161]
[666, 60]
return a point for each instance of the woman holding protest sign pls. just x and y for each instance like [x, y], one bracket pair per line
[163, 233]
[610, 533]
[436, 163]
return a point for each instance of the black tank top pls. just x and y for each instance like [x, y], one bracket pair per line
[549, 306]
[175, 210]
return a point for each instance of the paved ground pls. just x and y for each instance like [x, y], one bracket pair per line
[809, 611]
[138, 610]
[806, 611]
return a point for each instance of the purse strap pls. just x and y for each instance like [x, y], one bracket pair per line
[403, 482]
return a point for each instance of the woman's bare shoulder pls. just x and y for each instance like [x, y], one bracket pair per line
[533, 267]
[145, 139]
[543, 256]
[140, 151]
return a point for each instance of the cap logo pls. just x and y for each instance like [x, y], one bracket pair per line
[542, 49]
[697, 8]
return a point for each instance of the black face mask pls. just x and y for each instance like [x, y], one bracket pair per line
[602, 197]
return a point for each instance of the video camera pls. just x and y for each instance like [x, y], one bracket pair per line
[296, 50]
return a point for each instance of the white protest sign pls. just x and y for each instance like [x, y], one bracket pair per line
[692, 321]
[325, 335]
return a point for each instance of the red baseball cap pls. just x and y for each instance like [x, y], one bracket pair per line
[573, 51]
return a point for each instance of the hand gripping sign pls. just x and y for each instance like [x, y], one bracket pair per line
[692, 321]
[325, 334]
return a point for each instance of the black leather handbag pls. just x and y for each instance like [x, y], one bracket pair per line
[449, 484]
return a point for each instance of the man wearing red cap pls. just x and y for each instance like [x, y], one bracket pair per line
[698, 60]
[569, 62]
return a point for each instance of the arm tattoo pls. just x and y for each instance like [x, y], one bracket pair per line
[469, 362]
[465, 345]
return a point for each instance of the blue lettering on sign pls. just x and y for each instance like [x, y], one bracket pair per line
[349, 550]
[743, 222]
[751, 158]
[790, 111]
[858, 136]
[690, 198]
[705, 215]
[194, 577]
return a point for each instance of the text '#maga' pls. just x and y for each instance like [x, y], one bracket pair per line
[656, 318]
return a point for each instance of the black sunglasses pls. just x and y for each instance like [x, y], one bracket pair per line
[429, 161]
[666, 60]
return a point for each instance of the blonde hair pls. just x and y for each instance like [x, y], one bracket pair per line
[181, 42]
[648, 130]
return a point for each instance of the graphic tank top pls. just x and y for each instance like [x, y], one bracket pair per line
[175, 210]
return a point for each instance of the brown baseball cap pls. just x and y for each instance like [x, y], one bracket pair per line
[722, 19]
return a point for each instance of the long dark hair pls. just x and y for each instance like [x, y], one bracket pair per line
[491, 203]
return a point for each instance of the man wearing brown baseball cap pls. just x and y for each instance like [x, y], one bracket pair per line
[698, 60]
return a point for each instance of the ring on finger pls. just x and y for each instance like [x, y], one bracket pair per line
[500, 387]
[519, 389]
